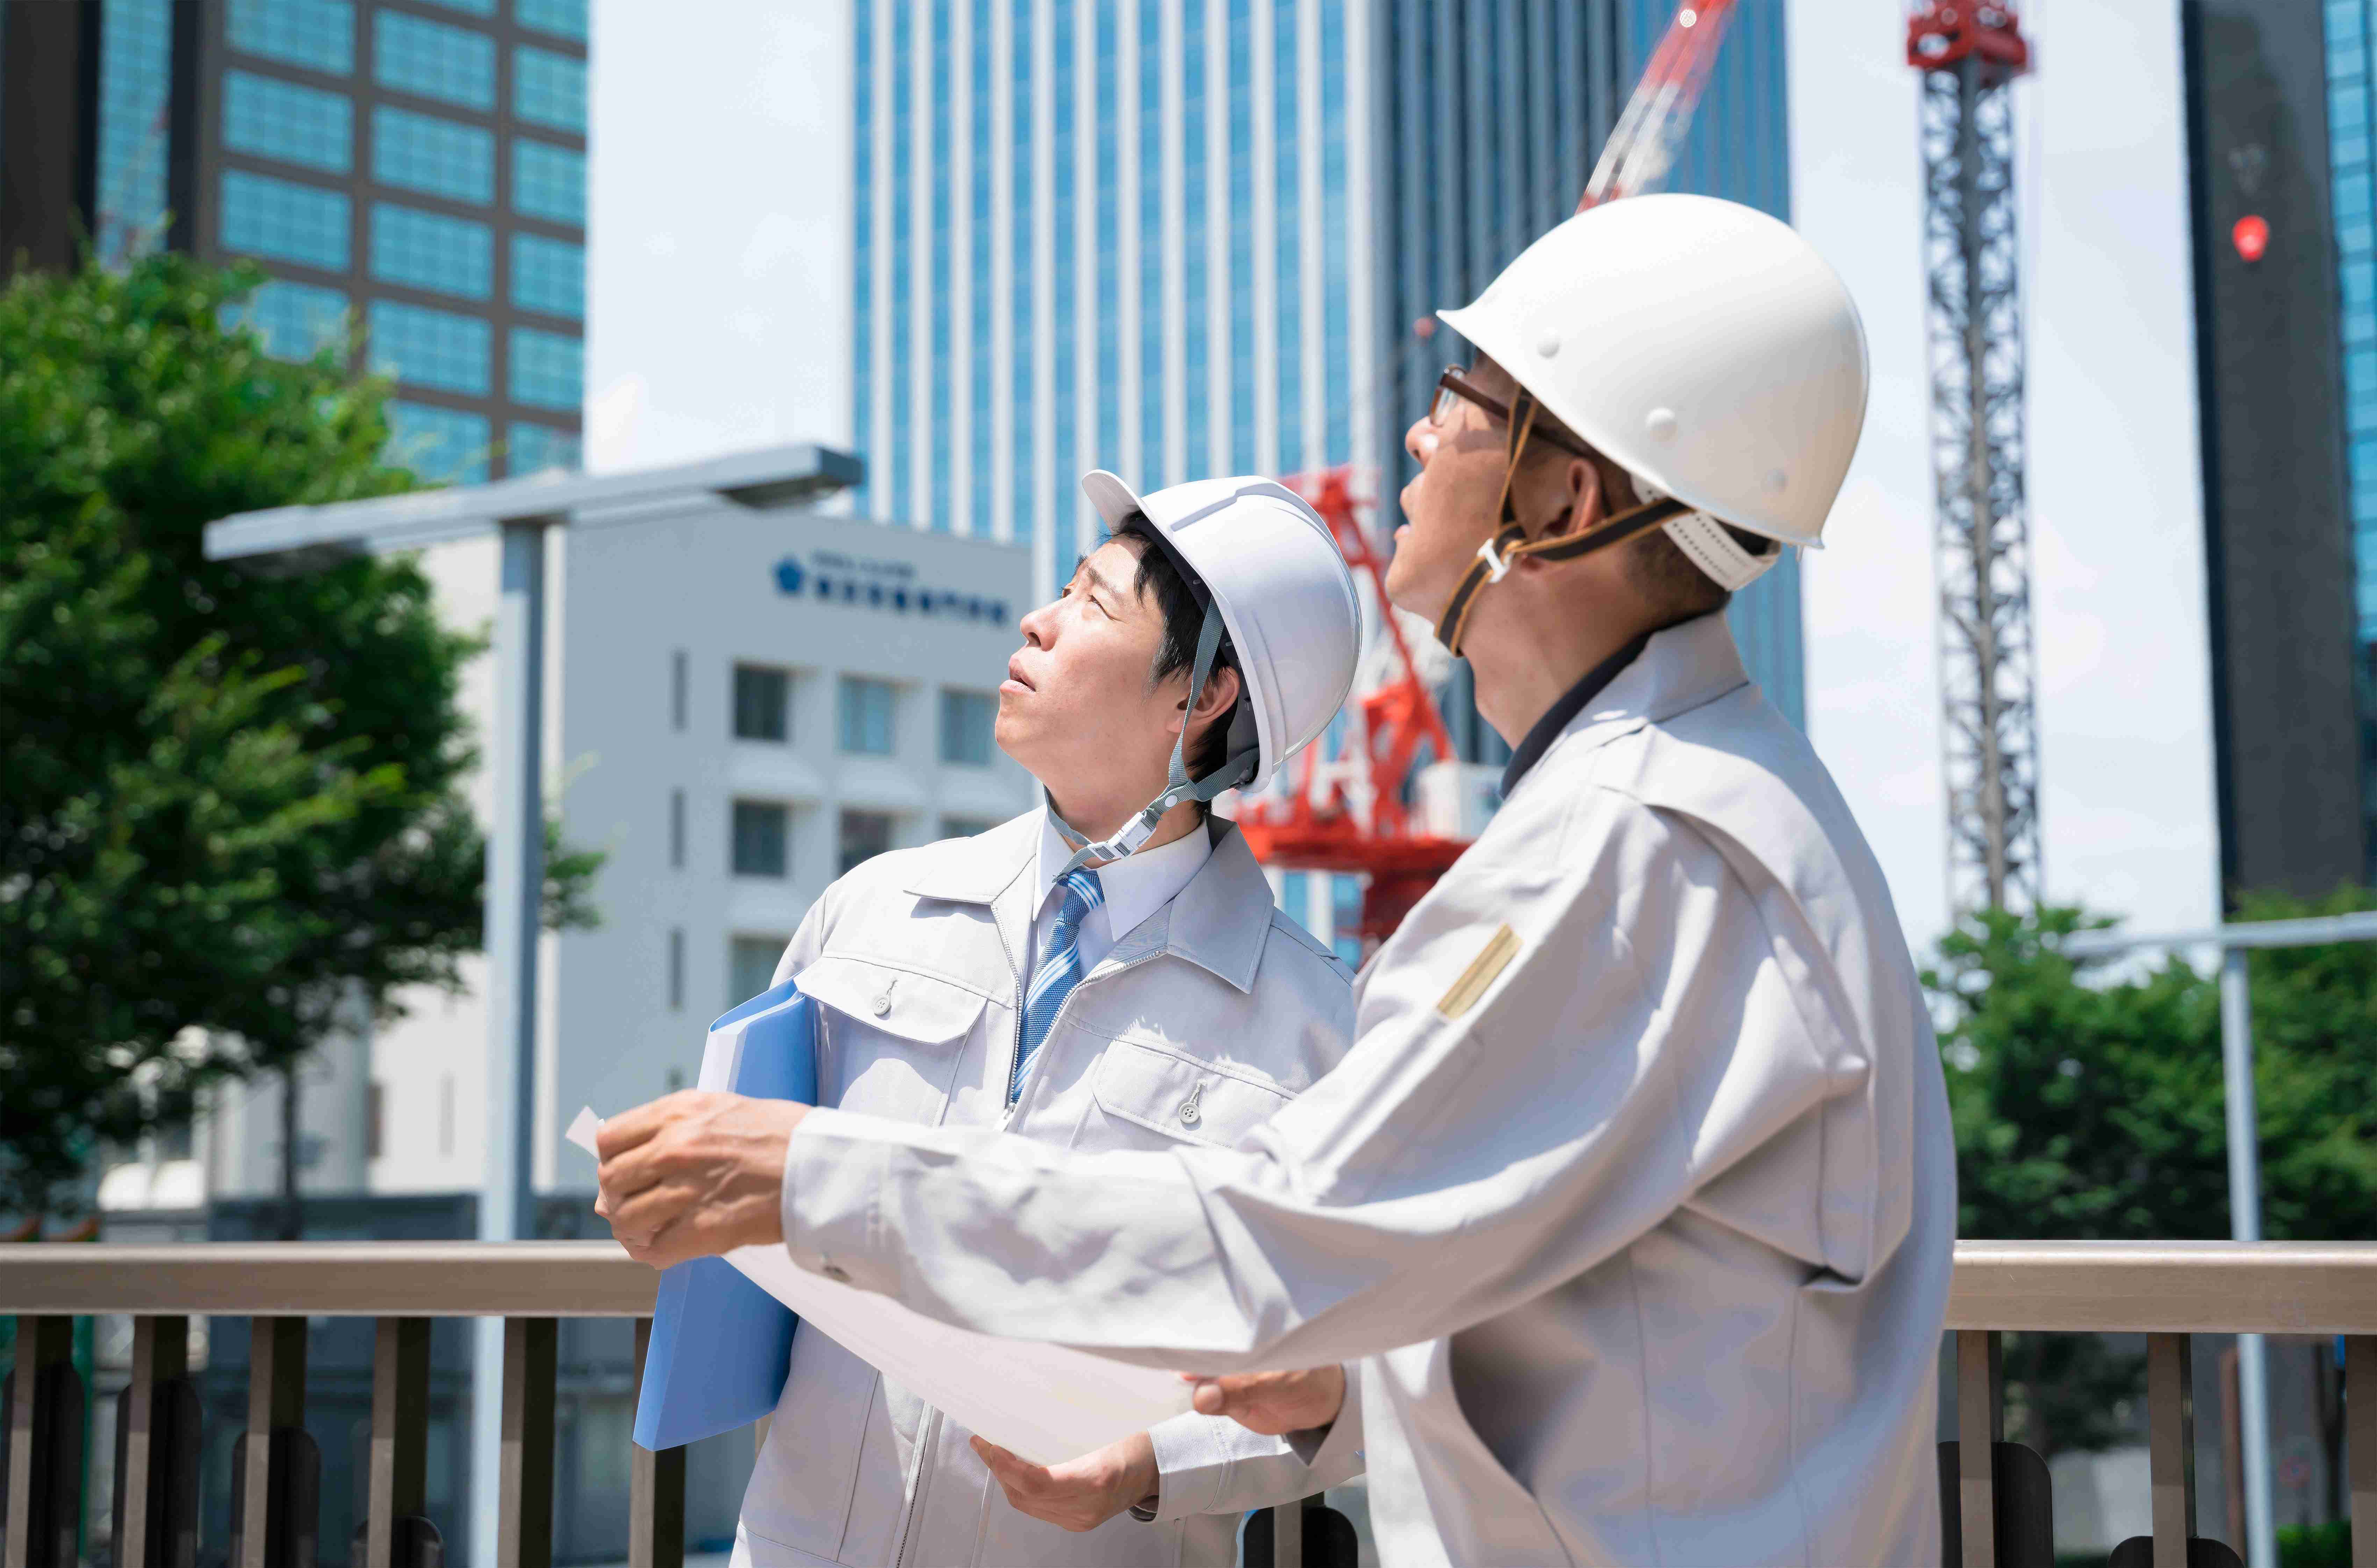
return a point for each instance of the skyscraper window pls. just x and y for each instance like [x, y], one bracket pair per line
[296, 320]
[430, 348]
[284, 221]
[436, 157]
[443, 445]
[136, 54]
[317, 34]
[549, 89]
[549, 275]
[429, 250]
[548, 370]
[287, 121]
[548, 182]
[564, 19]
[434, 60]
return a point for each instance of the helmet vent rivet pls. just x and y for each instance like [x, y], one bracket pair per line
[1661, 425]
[1548, 347]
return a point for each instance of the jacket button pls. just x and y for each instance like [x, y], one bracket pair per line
[883, 1005]
[836, 1273]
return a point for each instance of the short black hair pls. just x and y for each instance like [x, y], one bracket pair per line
[1181, 603]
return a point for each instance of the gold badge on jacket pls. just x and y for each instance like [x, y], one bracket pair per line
[1491, 960]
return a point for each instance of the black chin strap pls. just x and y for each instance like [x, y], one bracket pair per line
[1510, 544]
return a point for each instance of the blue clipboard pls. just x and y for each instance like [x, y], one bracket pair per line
[720, 1345]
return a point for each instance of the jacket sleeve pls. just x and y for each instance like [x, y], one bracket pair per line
[1212, 1464]
[1500, 1125]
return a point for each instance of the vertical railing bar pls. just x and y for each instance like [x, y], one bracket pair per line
[2170, 1427]
[524, 1530]
[42, 1342]
[1980, 1426]
[276, 1398]
[656, 1490]
[2360, 1444]
[160, 1357]
[399, 1434]
[1287, 1536]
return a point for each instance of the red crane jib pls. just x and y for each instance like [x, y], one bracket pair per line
[1944, 35]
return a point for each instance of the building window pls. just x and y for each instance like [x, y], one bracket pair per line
[295, 321]
[476, 8]
[549, 275]
[429, 250]
[762, 846]
[535, 446]
[564, 19]
[416, 55]
[549, 182]
[548, 370]
[968, 723]
[294, 123]
[549, 89]
[864, 835]
[443, 445]
[677, 830]
[867, 709]
[439, 157]
[676, 690]
[676, 969]
[429, 348]
[136, 54]
[316, 34]
[750, 965]
[966, 826]
[762, 703]
[280, 219]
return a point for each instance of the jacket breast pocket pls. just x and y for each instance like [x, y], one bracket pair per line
[893, 1037]
[1148, 1089]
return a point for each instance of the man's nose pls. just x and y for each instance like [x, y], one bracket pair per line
[1420, 440]
[1035, 625]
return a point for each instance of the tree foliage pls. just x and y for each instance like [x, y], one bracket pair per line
[2088, 1105]
[235, 815]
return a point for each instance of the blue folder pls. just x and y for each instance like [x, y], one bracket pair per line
[720, 1346]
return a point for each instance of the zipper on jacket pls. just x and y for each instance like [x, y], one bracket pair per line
[1014, 1088]
[929, 1439]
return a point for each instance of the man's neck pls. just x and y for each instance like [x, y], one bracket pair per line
[1100, 820]
[1523, 659]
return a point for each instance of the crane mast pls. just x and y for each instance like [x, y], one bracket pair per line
[1969, 55]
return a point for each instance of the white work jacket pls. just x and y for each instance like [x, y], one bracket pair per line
[1634, 1198]
[1200, 1023]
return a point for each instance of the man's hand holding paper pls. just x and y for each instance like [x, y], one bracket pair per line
[695, 1174]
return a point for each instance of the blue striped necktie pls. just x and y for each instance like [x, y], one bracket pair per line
[1059, 970]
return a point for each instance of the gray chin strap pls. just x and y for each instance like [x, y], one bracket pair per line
[1245, 755]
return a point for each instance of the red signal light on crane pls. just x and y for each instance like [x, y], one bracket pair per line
[2251, 235]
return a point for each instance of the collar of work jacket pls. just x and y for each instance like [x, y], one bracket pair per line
[1217, 922]
[1677, 669]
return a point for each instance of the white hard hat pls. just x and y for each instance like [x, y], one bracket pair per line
[1702, 345]
[1284, 593]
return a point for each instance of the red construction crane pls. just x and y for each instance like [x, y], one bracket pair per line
[1395, 803]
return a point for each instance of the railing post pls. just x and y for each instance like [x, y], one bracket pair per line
[44, 1454]
[156, 1509]
[2360, 1444]
[1981, 1427]
[524, 1530]
[656, 1491]
[395, 1534]
[275, 1495]
[2170, 1429]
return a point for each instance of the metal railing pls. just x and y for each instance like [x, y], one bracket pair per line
[1994, 1507]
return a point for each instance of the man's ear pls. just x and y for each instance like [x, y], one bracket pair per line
[1580, 489]
[1221, 689]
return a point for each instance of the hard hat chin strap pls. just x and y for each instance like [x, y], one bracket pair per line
[1238, 768]
[1510, 544]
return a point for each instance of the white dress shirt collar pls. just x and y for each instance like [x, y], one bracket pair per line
[1135, 886]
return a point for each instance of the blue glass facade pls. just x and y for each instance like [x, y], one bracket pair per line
[2352, 157]
[134, 83]
[1088, 233]
[449, 218]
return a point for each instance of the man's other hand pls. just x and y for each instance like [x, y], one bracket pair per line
[1275, 1402]
[1079, 1494]
[695, 1174]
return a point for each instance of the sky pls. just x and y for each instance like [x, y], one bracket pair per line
[719, 276]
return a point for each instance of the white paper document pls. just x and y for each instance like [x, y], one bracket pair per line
[1048, 1403]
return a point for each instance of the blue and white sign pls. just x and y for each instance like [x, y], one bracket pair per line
[837, 579]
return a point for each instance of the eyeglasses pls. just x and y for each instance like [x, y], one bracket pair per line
[1454, 387]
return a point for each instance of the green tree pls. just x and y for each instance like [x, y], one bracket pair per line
[131, 415]
[2088, 1104]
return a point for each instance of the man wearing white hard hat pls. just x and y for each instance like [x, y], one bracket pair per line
[1104, 973]
[1632, 1208]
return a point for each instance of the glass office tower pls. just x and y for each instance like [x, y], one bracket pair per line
[417, 166]
[1118, 233]
[2351, 31]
